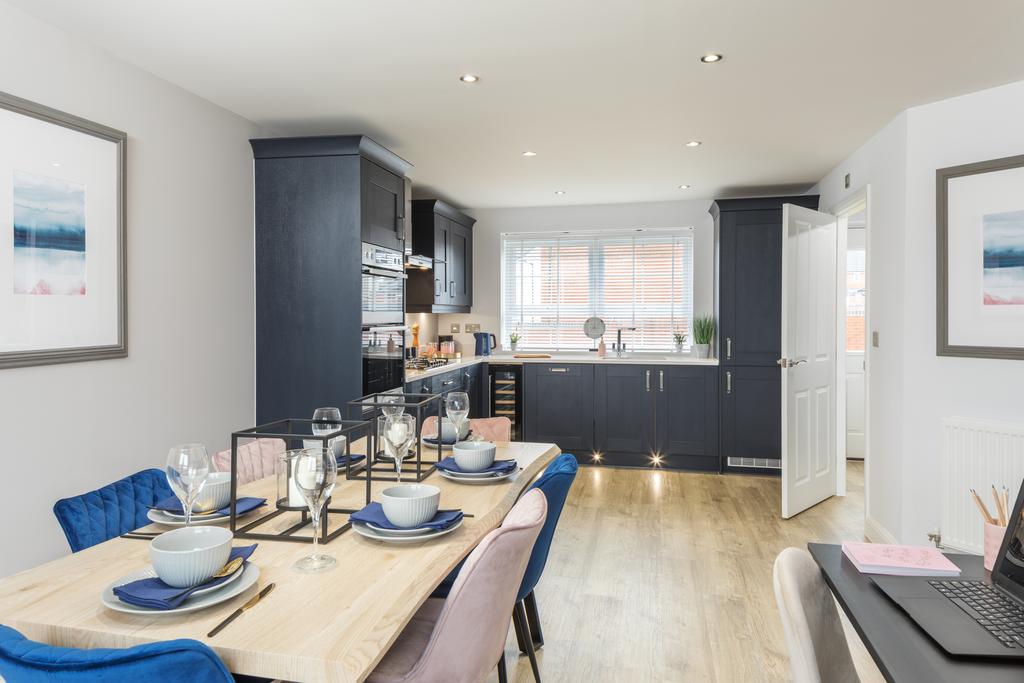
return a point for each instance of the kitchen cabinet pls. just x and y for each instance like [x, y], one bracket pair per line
[751, 430]
[312, 211]
[445, 234]
[383, 205]
[623, 412]
[558, 405]
[468, 378]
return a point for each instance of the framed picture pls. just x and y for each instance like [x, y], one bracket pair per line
[62, 237]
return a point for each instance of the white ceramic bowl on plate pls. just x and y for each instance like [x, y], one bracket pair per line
[215, 494]
[190, 555]
[337, 445]
[448, 430]
[409, 505]
[474, 456]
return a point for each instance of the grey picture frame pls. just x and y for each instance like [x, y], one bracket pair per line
[942, 178]
[14, 359]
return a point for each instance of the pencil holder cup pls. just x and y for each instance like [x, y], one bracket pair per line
[993, 540]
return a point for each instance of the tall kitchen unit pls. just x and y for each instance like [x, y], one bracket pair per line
[748, 264]
[317, 201]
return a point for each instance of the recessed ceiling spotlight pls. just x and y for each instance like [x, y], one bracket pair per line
[559, 191]
[469, 78]
[711, 58]
[55, 165]
[528, 153]
[693, 143]
[684, 187]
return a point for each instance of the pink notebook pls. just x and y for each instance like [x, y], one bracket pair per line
[899, 560]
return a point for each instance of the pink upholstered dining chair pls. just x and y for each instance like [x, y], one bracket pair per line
[487, 428]
[459, 639]
[256, 459]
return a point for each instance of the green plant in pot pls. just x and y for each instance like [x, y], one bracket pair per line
[680, 339]
[703, 334]
[513, 340]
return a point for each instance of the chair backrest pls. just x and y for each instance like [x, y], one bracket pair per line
[117, 508]
[487, 428]
[27, 661]
[555, 483]
[817, 646]
[256, 459]
[470, 632]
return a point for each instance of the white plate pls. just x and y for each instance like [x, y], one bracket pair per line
[170, 519]
[475, 475]
[209, 597]
[195, 515]
[474, 479]
[428, 446]
[385, 534]
[398, 532]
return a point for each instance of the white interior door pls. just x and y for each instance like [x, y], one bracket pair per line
[855, 404]
[809, 296]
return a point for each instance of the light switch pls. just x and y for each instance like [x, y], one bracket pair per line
[455, 328]
[874, 338]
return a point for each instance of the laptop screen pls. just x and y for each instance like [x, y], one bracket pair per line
[1008, 571]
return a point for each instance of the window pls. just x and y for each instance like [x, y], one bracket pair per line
[551, 283]
[855, 282]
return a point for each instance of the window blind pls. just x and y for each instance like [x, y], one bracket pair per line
[552, 282]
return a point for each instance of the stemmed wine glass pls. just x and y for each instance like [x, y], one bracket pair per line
[399, 434]
[188, 465]
[315, 473]
[456, 405]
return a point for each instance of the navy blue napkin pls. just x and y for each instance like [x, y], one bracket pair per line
[155, 594]
[497, 467]
[355, 457]
[374, 514]
[447, 440]
[173, 505]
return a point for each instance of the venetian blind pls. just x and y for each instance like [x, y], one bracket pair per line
[552, 282]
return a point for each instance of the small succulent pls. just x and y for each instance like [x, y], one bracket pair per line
[514, 337]
[680, 338]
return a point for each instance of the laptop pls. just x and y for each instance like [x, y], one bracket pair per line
[971, 618]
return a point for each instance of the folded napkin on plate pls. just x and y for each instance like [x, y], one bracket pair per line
[374, 514]
[497, 467]
[355, 457]
[431, 439]
[173, 505]
[155, 594]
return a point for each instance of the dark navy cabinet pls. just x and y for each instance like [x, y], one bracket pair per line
[558, 406]
[686, 416]
[624, 413]
[751, 415]
[444, 233]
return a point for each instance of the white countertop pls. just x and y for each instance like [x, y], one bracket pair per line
[508, 358]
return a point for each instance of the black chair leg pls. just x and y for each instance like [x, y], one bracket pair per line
[502, 673]
[533, 620]
[519, 615]
[522, 637]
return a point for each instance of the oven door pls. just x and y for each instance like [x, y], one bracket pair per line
[383, 297]
[383, 358]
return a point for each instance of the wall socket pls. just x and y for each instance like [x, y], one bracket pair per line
[472, 327]
[874, 339]
[455, 328]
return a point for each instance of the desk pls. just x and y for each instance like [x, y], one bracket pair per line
[332, 626]
[902, 651]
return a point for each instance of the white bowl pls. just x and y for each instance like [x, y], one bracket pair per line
[474, 456]
[337, 445]
[409, 505]
[215, 494]
[190, 555]
[448, 430]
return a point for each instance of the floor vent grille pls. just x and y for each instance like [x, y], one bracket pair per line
[764, 463]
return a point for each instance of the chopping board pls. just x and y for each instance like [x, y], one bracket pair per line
[532, 355]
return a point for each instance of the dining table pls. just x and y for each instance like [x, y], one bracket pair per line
[331, 626]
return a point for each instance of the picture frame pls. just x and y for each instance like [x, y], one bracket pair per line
[980, 259]
[62, 237]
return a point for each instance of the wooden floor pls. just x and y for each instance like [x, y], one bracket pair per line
[667, 576]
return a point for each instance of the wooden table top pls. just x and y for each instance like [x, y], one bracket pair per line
[331, 626]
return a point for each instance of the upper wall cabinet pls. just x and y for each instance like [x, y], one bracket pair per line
[383, 202]
[445, 234]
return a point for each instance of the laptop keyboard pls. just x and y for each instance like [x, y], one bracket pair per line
[994, 612]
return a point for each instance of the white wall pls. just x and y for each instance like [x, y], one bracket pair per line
[67, 429]
[491, 223]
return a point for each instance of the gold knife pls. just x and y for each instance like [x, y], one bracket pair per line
[238, 612]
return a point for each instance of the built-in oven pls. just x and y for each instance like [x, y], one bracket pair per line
[383, 340]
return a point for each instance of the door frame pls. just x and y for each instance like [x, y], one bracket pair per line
[851, 204]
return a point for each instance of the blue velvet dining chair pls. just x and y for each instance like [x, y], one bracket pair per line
[555, 482]
[26, 661]
[115, 509]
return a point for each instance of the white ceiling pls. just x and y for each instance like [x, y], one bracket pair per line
[605, 91]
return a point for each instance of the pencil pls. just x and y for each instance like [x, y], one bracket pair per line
[981, 507]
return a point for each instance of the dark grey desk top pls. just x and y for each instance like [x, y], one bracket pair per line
[904, 653]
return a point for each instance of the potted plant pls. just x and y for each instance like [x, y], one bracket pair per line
[703, 333]
[680, 339]
[513, 340]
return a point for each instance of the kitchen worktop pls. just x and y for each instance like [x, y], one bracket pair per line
[507, 358]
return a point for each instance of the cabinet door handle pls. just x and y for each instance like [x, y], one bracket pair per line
[449, 382]
[647, 379]
[661, 380]
[728, 381]
[452, 290]
[559, 369]
[437, 287]
[728, 347]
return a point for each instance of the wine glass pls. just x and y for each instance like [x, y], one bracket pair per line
[188, 465]
[399, 435]
[456, 405]
[314, 475]
[389, 407]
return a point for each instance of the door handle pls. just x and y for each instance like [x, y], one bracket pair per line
[647, 376]
[728, 347]
[787, 363]
[661, 380]
[728, 381]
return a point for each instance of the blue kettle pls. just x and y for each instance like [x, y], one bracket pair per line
[485, 341]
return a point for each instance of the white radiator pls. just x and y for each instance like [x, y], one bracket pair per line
[976, 454]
